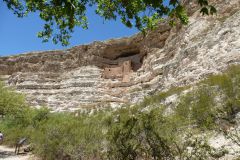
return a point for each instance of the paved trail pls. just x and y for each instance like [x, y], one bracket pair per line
[7, 153]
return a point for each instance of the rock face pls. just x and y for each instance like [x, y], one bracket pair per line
[94, 75]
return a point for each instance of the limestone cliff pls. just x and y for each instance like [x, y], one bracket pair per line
[120, 71]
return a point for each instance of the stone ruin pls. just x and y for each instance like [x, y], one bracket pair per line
[122, 71]
[122, 63]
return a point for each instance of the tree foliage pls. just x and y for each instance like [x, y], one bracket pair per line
[62, 16]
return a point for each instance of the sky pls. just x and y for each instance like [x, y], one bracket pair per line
[19, 35]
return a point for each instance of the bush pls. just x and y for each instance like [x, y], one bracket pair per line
[10, 101]
[197, 108]
[22, 124]
[228, 85]
[151, 135]
[64, 135]
[141, 135]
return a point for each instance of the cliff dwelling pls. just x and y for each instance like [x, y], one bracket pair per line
[125, 64]
[120, 72]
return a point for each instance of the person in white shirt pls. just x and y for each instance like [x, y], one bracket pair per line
[1, 137]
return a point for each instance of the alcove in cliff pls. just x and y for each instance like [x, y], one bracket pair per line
[124, 62]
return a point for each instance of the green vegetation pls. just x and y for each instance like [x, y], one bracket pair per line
[148, 130]
[61, 17]
[10, 102]
[64, 135]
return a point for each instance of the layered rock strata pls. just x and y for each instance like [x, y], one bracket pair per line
[80, 78]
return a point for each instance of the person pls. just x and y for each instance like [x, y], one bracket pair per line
[19, 144]
[1, 137]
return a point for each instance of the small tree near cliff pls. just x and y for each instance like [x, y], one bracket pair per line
[62, 16]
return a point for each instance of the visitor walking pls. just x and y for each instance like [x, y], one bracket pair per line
[1, 137]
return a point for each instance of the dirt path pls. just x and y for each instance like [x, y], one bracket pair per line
[7, 153]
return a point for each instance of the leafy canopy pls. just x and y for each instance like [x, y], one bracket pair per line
[62, 16]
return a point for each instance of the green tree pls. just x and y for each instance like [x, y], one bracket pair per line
[62, 16]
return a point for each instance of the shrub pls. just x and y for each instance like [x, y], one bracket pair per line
[143, 135]
[197, 108]
[203, 109]
[64, 135]
[10, 101]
